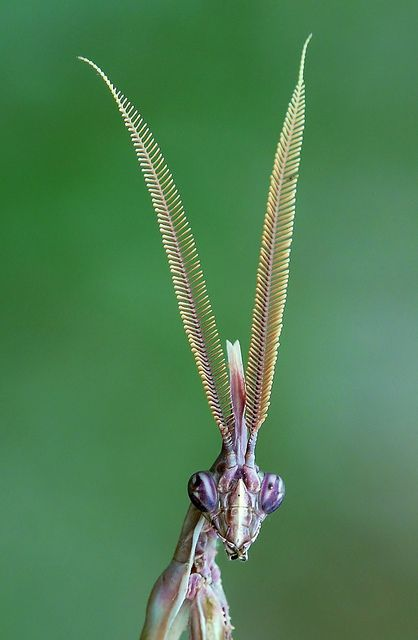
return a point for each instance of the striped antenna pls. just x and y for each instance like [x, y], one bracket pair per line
[189, 284]
[273, 268]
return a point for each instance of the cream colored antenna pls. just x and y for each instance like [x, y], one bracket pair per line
[189, 284]
[273, 268]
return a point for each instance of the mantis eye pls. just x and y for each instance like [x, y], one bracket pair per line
[271, 493]
[202, 491]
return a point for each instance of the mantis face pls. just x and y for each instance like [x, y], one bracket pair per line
[236, 503]
[235, 495]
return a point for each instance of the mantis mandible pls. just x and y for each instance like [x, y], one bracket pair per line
[229, 501]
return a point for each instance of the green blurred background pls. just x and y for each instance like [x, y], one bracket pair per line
[103, 417]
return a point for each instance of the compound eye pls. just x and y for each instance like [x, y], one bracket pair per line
[271, 493]
[202, 491]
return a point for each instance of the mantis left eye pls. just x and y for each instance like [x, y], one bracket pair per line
[271, 493]
[202, 491]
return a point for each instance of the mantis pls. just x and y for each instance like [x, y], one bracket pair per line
[230, 500]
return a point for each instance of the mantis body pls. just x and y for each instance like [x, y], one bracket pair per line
[231, 499]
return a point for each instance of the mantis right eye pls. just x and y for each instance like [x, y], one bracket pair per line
[202, 491]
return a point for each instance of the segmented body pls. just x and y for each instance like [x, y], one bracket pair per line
[209, 606]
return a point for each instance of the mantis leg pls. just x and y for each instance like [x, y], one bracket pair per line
[170, 590]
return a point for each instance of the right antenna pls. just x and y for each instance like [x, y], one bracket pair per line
[273, 266]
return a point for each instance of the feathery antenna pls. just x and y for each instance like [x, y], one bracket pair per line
[273, 268]
[186, 271]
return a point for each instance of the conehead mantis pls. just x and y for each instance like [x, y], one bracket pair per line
[230, 500]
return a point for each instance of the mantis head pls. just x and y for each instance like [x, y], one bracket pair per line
[235, 503]
[235, 495]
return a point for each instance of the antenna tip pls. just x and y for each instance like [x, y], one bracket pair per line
[86, 60]
[302, 60]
